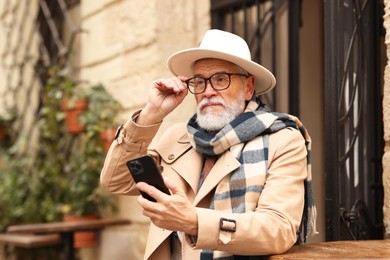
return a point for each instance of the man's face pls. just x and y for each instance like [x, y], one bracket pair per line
[218, 108]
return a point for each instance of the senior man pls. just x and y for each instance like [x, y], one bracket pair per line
[238, 174]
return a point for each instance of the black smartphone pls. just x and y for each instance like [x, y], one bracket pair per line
[144, 169]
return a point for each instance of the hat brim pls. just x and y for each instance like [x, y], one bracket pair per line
[180, 64]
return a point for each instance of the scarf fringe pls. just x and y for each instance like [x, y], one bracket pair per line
[313, 222]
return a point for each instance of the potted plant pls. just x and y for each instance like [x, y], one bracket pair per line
[73, 110]
[32, 182]
[74, 101]
[86, 160]
[100, 118]
[60, 176]
[80, 156]
[16, 203]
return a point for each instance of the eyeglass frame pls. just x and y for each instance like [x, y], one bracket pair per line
[211, 84]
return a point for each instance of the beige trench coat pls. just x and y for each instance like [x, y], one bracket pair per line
[270, 229]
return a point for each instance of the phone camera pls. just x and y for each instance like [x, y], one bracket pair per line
[136, 167]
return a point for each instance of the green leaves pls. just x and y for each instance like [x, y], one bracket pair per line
[61, 173]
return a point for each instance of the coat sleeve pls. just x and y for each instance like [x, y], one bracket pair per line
[272, 227]
[132, 141]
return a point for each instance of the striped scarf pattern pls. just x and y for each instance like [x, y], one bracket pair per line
[247, 139]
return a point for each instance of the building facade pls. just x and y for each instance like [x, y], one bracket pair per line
[124, 44]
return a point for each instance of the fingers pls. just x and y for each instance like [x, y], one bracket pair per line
[171, 185]
[151, 191]
[175, 85]
[164, 96]
[153, 210]
[182, 78]
[171, 212]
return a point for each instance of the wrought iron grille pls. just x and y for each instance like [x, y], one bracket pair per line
[354, 192]
[263, 24]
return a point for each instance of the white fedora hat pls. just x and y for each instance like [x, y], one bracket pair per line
[225, 46]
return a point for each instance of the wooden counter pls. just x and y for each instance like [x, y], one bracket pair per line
[357, 249]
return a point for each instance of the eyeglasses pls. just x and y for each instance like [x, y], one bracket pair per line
[218, 81]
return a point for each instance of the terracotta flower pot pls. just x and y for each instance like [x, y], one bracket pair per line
[107, 137]
[73, 125]
[82, 239]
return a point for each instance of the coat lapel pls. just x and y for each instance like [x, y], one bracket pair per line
[189, 168]
[155, 239]
[187, 162]
[226, 164]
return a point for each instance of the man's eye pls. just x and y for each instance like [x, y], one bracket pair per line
[220, 79]
[199, 81]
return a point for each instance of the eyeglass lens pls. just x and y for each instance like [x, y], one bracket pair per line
[219, 81]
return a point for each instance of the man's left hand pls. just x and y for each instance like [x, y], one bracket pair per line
[173, 212]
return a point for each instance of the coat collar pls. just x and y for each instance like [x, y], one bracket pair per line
[187, 162]
[226, 164]
[189, 168]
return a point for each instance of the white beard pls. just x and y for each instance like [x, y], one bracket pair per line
[215, 121]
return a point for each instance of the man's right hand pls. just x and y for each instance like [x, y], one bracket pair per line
[164, 96]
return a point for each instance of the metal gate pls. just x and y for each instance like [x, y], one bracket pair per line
[264, 23]
[354, 191]
[354, 128]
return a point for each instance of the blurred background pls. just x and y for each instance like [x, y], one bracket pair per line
[96, 60]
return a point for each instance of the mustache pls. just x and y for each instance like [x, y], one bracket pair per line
[215, 100]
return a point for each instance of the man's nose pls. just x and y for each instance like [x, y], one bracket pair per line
[209, 91]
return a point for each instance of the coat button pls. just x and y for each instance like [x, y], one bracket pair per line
[171, 157]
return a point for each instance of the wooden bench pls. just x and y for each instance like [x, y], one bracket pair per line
[66, 230]
[30, 246]
[30, 240]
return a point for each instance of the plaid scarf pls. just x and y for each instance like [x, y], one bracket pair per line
[247, 139]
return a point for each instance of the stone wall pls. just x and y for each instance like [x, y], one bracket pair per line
[18, 55]
[125, 46]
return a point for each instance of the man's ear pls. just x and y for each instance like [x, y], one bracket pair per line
[249, 87]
